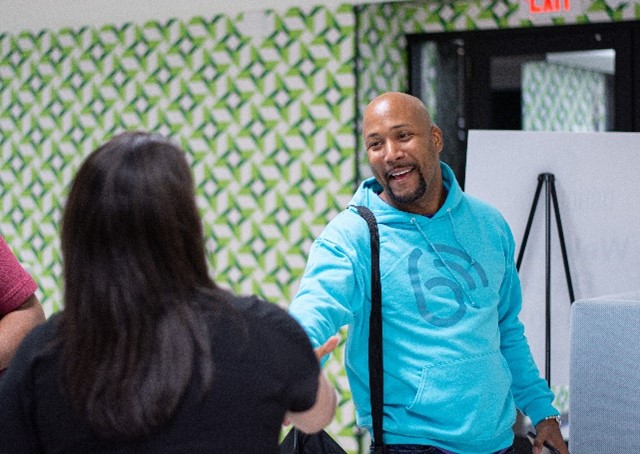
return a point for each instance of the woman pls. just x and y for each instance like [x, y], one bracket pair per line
[149, 355]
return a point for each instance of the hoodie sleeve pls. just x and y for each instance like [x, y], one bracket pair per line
[328, 295]
[531, 392]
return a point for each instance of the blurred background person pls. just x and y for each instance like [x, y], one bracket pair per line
[20, 309]
[149, 354]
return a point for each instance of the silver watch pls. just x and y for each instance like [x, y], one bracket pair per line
[556, 417]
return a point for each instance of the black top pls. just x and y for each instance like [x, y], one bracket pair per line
[252, 389]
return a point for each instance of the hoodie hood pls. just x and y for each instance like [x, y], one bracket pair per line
[368, 194]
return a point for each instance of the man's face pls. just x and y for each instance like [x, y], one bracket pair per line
[403, 148]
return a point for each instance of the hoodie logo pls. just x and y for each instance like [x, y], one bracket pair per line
[456, 269]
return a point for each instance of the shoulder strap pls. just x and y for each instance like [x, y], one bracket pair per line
[375, 331]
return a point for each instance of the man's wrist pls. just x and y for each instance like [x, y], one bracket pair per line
[555, 418]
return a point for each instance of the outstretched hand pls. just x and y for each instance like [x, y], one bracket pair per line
[326, 348]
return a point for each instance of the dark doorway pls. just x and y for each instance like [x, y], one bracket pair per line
[565, 78]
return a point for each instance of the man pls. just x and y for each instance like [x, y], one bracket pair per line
[20, 309]
[456, 362]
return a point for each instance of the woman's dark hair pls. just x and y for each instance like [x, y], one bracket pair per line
[132, 328]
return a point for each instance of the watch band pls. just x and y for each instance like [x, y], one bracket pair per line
[557, 418]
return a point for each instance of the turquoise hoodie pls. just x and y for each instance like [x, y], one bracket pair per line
[456, 361]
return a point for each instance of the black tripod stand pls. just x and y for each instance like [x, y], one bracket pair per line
[550, 196]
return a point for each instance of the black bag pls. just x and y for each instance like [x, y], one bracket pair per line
[298, 442]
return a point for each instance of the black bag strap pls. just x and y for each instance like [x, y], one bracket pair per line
[375, 331]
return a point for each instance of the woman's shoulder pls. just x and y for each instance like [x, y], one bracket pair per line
[253, 321]
[259, 310]
[270, 318]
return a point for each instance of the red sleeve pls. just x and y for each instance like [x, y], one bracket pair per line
[16, 285]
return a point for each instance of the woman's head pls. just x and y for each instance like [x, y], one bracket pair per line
[131, 223]
[135, 274]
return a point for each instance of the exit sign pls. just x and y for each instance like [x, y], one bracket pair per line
[548, 6]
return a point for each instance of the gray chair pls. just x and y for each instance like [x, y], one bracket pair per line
[604, 376]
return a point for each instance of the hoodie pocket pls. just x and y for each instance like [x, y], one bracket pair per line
[468, 399]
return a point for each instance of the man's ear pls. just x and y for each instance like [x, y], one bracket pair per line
[436, 134]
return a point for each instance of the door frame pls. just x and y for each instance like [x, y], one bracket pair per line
[482, 45]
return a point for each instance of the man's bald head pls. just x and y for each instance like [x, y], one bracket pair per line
[395, 101]
[403, 147]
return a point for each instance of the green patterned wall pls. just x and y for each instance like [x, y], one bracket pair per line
[263, 103]
[560, 98]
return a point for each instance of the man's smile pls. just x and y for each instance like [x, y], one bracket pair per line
[399, 174]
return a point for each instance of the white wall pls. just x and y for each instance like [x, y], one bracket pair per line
[35, 15]
[596, 178]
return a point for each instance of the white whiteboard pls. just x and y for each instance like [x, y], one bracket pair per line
[597, 181]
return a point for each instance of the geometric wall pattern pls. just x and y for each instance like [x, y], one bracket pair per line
[560, 98]
[264, 103]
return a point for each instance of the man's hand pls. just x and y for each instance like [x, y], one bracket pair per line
[326, 348]
[548, 430]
